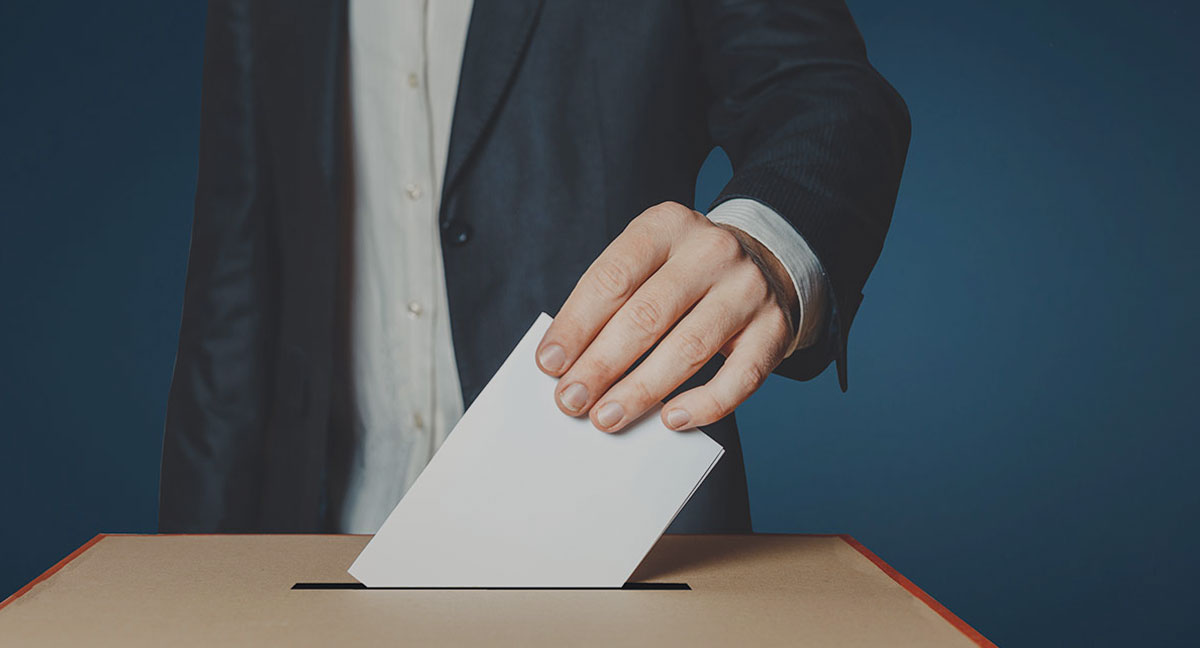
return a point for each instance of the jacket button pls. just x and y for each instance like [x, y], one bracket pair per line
[456, 233]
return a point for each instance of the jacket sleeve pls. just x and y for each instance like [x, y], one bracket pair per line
[814, 133]
[219, 397]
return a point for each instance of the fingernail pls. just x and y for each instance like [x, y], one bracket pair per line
[574, 397]
[678, 418]
[610, 415]
[552, 358]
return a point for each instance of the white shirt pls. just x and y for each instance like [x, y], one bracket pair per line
[405, 395]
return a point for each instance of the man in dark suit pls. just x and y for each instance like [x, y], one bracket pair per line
[309, 388]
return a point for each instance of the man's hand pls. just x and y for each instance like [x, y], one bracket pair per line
[694, 288]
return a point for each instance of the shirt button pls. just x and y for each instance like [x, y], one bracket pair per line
[413, 80]
[414, 309]
[418, 422]
[413, 191]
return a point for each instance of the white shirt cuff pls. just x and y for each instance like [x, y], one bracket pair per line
[781, 239]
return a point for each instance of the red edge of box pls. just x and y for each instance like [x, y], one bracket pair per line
[100, 536]
[912, 588]
[53, 570]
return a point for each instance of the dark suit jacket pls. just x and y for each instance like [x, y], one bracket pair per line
[571, 118]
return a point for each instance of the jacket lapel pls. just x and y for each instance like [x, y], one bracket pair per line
[496, 42]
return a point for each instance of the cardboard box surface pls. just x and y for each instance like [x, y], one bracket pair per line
[759, 590]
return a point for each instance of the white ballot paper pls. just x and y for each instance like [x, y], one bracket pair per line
[522, 495]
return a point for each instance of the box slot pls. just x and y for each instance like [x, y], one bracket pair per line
[360, 586]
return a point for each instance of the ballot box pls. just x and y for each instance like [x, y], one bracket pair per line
[293, 590]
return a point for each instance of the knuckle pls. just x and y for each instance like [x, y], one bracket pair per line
[666, 215]
[645, 315]
[600, 367]
[672, 210]
[612, 279]
[717, 406]
[641, 393]
[692, 348]
[566, 327]
[719, 244]
[753, 284]
[751, 378]
[779, 322]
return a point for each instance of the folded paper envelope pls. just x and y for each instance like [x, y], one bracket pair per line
[521, 495]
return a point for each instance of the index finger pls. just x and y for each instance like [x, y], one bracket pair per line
[623, 266]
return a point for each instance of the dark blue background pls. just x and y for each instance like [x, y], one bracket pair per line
[1020, 434]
